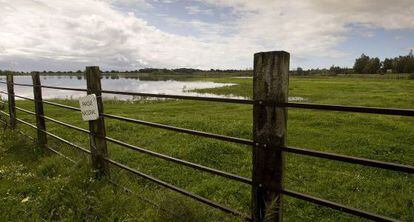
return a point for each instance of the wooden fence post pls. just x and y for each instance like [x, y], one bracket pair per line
[270, 87]
[40, 120]
[11, 100]
[97, 127]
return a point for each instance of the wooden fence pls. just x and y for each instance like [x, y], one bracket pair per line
[270, 107]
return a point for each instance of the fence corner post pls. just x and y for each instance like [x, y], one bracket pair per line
[11, 100]
[270, 87]
[97, 127]
[38, 101]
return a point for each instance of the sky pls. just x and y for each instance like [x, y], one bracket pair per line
[210, 34]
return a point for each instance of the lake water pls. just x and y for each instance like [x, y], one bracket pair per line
[143, 85]
[173, 87]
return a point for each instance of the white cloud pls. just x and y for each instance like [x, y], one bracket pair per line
[48, 34]
[97, 34]
[315, 27]
[399, 37]
[409, 49]
[397, 14]
[140, 4]
[193, 9]
[165, 1]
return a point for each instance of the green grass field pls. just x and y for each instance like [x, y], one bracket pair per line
[386, 138]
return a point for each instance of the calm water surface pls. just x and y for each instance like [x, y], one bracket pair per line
[173, 87]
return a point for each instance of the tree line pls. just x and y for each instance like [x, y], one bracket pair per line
[367, 65]
[143, 70]
[363, 65]
[400, 64]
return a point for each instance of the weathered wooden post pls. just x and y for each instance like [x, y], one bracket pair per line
[11, 100]
[97, 127]
[270, 87]
[38, 101]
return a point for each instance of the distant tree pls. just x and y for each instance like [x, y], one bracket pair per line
[387, 64]
[361, 63]
[184, 70]
[398, 64]
[299, 71]
[335, 70]
[373, 66]
[409, 63]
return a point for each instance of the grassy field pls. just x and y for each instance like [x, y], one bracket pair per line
[386, 138]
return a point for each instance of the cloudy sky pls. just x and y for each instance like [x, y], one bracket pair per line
[132, 34]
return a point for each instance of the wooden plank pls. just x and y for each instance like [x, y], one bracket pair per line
[97, 127]
[270, 86]
[11, 100]
[40, 120]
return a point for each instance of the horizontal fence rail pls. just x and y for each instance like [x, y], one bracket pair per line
[53, 150]
[51, 134]
[183, 162]
[195, 166]
[355, 109]
[157, 125]
[166, 96]
[152, 153]
[179, 190]
[182, 130]
[45, 102]
[327, 107]
[337, 206]
[33, 139]
[367, 162]
[64, 88]
[160, 182]
[74, 162]
[295, 150]
[351, 159]
[49, 87]
[264, 65]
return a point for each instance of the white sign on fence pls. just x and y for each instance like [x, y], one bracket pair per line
[89, 107]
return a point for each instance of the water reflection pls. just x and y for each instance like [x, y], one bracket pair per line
[142, 84]
[115, 83]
